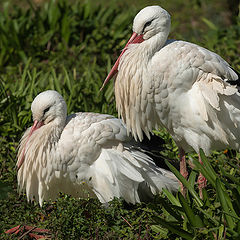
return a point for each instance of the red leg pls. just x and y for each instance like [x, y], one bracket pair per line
[183, 169]
[202, 181]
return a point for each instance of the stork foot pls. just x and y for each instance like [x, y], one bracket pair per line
[28, 231]
[183, 188]
[202, 183]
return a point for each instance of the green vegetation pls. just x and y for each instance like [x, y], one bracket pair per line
[70, 46]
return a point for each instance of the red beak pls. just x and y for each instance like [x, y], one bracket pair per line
[36, 125]
[135, 38]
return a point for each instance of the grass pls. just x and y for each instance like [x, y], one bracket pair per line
[70, 47]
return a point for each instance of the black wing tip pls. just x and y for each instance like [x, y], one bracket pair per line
[236, 81]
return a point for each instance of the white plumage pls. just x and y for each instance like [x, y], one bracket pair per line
[178, 85]
[84, 153]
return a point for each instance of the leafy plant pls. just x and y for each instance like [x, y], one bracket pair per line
[217, 215]
[70, 46]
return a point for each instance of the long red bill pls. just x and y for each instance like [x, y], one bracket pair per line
[36, 125]
[135, 38]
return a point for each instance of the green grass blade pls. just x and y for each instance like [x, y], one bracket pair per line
[185, 183]
[194, 219]
[192, 178]
[208, 216]
[224, 204]
[67, 79]
[24, 75]
[232, 215]
[228, 175]
[229, 201]
[173, 210]
[174, 228]
[207, 165]
[236, 201]
[171, 198]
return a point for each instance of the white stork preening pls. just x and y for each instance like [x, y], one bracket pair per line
[84, 153]
[187, 89]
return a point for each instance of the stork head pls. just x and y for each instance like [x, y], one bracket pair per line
[149, 22]
[47, 107]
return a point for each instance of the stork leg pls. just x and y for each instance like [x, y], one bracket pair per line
[202, 181]
[183, 169]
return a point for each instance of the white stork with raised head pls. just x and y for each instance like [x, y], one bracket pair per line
[187, 89]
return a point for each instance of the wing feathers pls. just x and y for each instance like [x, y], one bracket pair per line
[211, 87]
[130, 170]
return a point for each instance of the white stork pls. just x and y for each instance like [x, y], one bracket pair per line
[187, 89]
[84, 153]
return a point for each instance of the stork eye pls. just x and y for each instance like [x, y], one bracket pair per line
[46, 110]
[147, 24]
